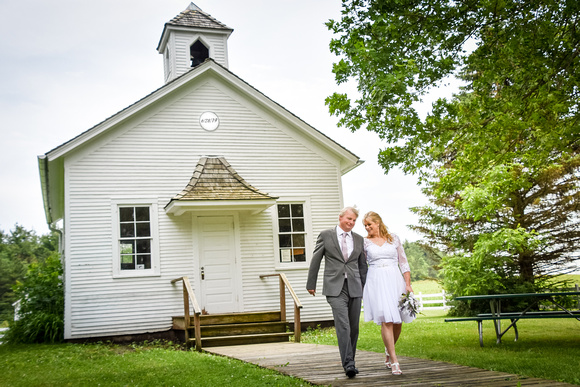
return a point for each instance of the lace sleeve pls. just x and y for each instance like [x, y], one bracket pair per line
[366, 246]
[403, 263]
[367, 243]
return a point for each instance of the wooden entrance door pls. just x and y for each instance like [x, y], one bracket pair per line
[217, 248]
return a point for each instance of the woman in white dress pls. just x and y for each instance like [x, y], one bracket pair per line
[385, 284]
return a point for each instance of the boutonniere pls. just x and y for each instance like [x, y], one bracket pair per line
[409, 304]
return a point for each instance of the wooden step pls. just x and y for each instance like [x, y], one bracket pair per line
[243, 339]
[238, 318]
[236, 328]
[242, 329]
[228, 318]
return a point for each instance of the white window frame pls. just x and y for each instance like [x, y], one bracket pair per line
[153, 219]
[307, 237]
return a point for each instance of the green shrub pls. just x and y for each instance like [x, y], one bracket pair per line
[18, 249]
[40, 318]
[486, 274]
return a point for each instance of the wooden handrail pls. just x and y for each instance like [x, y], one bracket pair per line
[285, 284]
[189, 295]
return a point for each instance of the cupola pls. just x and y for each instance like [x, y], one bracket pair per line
[189, 39]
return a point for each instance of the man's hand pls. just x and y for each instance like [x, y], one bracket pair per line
[312, 291]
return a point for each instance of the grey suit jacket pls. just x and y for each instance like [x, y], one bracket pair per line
[328, 246]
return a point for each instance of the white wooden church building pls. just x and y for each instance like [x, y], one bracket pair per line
[205, 177]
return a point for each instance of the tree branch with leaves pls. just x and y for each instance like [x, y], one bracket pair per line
[500, 159]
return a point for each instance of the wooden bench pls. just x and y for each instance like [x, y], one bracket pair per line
[496, 316]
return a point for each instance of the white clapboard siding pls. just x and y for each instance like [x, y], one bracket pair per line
[179, 50]
[153, 156]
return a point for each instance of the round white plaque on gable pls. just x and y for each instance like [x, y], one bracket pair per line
[209, 121]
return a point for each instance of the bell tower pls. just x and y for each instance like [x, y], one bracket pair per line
[189, 39]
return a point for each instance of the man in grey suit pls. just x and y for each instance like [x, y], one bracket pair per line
[345, 272]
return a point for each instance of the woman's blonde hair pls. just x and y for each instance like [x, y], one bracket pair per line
[376, 218]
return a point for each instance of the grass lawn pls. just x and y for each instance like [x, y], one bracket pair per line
[575, 278]
[139, 365]
[426, 287]
[547, 348]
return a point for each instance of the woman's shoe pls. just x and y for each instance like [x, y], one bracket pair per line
[396, 370]
[388, 360]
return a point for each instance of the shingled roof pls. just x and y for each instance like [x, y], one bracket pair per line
[215, 179]
[193, 16]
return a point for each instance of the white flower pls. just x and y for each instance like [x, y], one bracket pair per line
[409, 304]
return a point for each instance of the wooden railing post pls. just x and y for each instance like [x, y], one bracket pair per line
[187, 296]
[282, 300]
[285, 284]
[197, 327]
[186, 315]
[297, 327]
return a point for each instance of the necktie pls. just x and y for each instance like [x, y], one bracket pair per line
[343, 247]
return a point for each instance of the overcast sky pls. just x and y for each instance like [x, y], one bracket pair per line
[66, 65]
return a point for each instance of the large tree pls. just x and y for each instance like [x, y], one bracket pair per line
[500, 159]
[423, 260]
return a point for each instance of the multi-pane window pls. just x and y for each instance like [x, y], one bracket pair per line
[135, 238]
[291, 233]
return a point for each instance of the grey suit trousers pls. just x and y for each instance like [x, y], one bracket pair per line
[346, 312]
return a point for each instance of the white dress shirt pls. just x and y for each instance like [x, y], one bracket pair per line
[349, 239]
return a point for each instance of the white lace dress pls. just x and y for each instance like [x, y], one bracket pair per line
[385, 283]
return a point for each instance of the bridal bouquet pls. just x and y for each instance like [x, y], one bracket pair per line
[408, 304]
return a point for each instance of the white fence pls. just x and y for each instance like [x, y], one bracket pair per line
[2, 330]
[438, 300]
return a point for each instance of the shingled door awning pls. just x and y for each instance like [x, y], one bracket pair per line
[215, 185]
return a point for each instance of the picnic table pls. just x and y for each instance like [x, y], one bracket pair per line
[497, 315]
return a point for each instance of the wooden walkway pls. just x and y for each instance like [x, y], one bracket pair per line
[320, 365]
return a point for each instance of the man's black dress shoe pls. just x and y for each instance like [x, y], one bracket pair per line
[351, 371]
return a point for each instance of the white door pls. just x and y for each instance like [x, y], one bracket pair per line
[217, 252]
